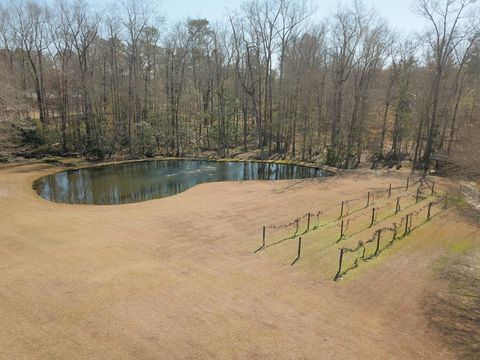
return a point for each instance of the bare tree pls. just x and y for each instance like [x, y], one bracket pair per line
[271, 81]
[346, 35]
[29, 25]
[449, 28]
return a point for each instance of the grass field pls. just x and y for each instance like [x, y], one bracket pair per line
[177, 278]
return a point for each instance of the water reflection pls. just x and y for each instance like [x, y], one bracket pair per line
[140, 181]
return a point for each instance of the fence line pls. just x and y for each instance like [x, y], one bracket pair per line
[375, 215]
[345, 220]
[338, 222]
[376, 237]
[344, 207]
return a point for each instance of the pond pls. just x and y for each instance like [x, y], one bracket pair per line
[146, 180]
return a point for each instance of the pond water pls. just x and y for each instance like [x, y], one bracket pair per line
[141, 181]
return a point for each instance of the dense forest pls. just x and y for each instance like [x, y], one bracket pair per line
[269, 79]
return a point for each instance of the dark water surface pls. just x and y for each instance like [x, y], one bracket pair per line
[140, 181]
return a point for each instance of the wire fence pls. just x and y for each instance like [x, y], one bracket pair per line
[396, 231]
[311, 221]
[386, 206]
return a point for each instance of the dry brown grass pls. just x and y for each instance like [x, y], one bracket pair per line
[177, 278]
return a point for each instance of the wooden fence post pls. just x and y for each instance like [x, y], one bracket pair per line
[390, 190]
[368, 199]
[394, 237]
[379, 234]
[373, 217]
[296, 230]
[308, 221]
[429, 211]
[263, 237]
[263, 241]
[341, 230]
[406, 225]
[339, 272]
[433, 188]
[397, 207]
[417, 197]
[299, 250]
[317, 226]
[341, 211]
[408, 183]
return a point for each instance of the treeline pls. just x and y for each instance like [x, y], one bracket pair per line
[268, 79]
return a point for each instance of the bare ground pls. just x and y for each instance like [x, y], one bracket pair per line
[176, 278]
